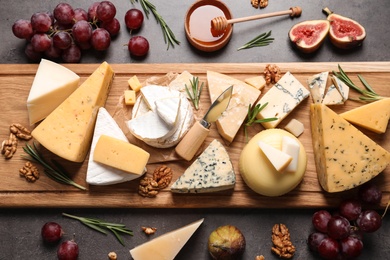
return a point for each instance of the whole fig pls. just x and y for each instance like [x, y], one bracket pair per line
[226, 243]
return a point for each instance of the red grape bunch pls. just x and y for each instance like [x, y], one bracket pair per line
[65, 32]
[340, 236]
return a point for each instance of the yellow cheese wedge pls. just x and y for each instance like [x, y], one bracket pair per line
[243, 95]
[257, 82]
[295, 127]
[167, 246]
[345, 158]
[134, 83]
[120, 155]
[280, 160]
[373, 116]
[52, 84]
[257, 171]
[67, 131]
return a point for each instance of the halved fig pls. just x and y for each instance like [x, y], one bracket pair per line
[309, 35]
[344, 32]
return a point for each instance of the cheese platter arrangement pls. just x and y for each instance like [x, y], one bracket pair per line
[226, 143]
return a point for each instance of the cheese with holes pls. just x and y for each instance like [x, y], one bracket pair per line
[333, 97]
[317, 86]
[279, 159]
[52, 84]
[345, 158]
[167, 246]
[258, 172]
[211, 171]
[231, 120]
[120, 154]
[130, 97]
[100, 174]
[373, 116]
[67, 131]
[282, 98]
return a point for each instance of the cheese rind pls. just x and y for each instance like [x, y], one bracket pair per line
[282, 98]
[211, 171]
[52, 84]
[345, 158]
[373, 116]
[120, 154]
[167, 246]
[67, 131]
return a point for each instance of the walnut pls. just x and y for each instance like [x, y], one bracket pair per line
[112, 256]
[281, 241]
[163, 176]
[148, 187]
[263, 3]
[30, 172]
[272, 73]
[8, 147]
[20, 131]
[149, 230]
[255, 3]
[260, 257]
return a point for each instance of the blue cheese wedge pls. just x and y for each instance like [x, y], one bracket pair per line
[99, 174]
[282, 98]
[211, 171]
[341, 87]
[333, 97]
[317, 86]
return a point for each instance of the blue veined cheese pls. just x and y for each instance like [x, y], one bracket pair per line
[333, 97]
[211, 171]
[317, 86]
[341, 86]
[282, 98]
[99, 174]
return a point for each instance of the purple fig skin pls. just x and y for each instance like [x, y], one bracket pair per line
[226, 243]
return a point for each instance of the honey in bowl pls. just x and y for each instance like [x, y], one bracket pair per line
[198, 25]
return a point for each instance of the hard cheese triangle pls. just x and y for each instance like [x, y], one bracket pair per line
[67, 131]
[373, 116]
[167, 246]
[344, 156]
[211, 171]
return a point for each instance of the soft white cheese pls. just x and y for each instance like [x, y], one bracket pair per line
[168, 109]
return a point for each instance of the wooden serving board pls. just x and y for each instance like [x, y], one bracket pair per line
[15, 191]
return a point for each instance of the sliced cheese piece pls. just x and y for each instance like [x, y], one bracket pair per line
[231, 120]
[279, 159]
[257, 171]
[167, 246]
[341, 87]
[120, 154]
[52, 84]
[333, 97]
[345, 158]
[168, 109]
[130, 97]
[211, 171]
[317, 86]
[257, 82]
[134, 83]
[282, 98]
[100, 174]
[152, 93]
[372, 116]
[291, 147]
[295, 127]
[67, 131]
[180, 82]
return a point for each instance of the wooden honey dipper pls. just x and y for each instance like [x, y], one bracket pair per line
[220, 23]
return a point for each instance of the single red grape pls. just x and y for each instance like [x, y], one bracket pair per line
[370, 193]
[315, 240]
[100, 39]
[53, 52]
[51, 232]
[350, 209]
[72, 54]
[369, 221]
[338, 227]
[40, 42]
[329, 248]
[62, 40]
[80, 14]
[112, 26]
[138, 46]
[64, 13]
[32, 54]
[351, 247]
[320, 220]
[105, 11]
[134, 19]
[68, 250]
[92, 11]
[41, 22]
[82, 31]
[22, 29]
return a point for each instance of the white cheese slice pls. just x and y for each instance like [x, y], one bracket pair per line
[291, 147]
[295, 127]
[99, 174]
[279, 159]
[167, 246]
[333, 96]
[341, 86]
[181, 81]
[168, 109]
[152, 93]
[317, 86]
[282, 98]
[52, 84]
[211, 171]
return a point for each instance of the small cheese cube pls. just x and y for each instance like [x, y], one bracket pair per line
[257, 82]
[130, 97]
[280, 160]
[134, 83]
[120, 155]
[291, 147]
[295, 127]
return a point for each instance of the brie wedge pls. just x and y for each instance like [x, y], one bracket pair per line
[168, 109]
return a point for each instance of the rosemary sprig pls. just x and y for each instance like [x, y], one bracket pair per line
[56, 173]
[251, 117]
[99, 226]
[368, 94]
[169, 36]
[195, 92]
[261, 40]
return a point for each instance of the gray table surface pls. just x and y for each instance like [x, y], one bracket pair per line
[20, 228]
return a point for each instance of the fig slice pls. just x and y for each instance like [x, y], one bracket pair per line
[344, 32]
[309, 35]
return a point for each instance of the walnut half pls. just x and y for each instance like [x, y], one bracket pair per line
[30, 172]
[282, 245]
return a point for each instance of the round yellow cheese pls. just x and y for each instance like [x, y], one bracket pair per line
[258, 172]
